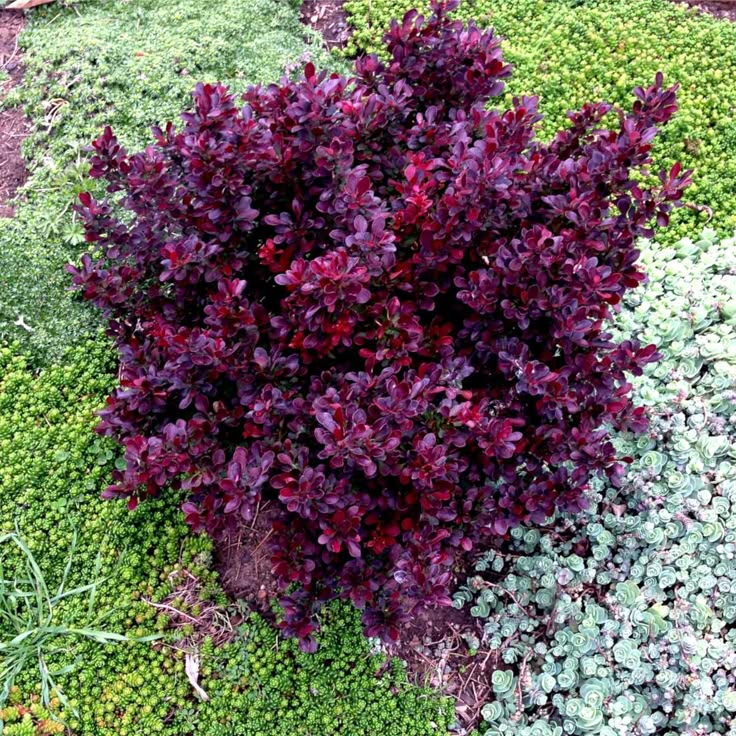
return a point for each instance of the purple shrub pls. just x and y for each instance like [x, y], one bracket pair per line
[379, 302]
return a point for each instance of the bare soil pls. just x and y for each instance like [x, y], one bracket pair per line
[328, 17]
[725, 9]
[243, 561]
[435, 646]
[13, 124]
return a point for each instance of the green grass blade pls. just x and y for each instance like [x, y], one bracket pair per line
[67, 568]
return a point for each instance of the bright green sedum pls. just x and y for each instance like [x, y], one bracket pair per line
[52, 472]
[570, 52]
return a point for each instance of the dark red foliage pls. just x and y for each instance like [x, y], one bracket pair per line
[379, 302]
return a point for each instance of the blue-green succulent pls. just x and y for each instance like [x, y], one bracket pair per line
[624, 616]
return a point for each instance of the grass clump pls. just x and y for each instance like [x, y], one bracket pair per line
[52, 471]
[568, 52]
[27, 610]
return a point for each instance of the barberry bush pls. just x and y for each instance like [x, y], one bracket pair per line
[378, 303]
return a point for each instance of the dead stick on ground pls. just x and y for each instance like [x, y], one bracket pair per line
[234, 543]
[483, 666]
[519, 695]
[11, 57]
[172, 609]
[701, 208]
[262, 542]
[488, 584]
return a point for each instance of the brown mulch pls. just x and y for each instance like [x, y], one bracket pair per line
[436, 649]
[13, 124]
[329, 18]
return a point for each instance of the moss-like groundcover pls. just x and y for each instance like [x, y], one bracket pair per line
[130, 65]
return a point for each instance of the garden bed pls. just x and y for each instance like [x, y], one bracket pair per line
[725, 9]
[508, 654]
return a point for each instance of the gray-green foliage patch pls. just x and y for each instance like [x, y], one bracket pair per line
[129, 65]
[621, 621]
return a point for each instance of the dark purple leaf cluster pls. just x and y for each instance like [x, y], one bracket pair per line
[378, 303]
